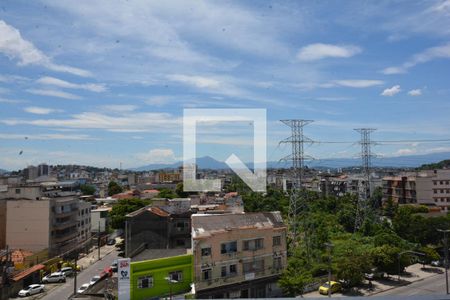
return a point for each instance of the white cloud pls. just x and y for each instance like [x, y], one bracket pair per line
[157, 156]
[157, 100]
[68, 85]
[125, 122]
[405, 151]
[320, 51]
[15, 47]
[118, 108]
[10, 101]
[420, 58]
[415, 92]
[44, 137]
[53, 93]
[391, 91]
[196, 81]
[357, 83]
[41, 110]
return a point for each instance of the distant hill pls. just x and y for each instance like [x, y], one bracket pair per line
[411, 161]
[443, 164]
[3, 171]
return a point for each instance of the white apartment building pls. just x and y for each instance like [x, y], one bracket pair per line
[433, 188]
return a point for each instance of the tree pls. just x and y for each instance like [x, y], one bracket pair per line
[114, 188]
[166, 193]
[386, 259]
[180, 192]
[87, 189]
[351, 262]
[124, 207]
[295, 277]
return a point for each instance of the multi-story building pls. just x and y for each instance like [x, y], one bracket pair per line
[238, 255]
[159, 227]
[40, 216]
[84, 221]
[169, 177]
[401, 189]
[100, 220]
[433, 188]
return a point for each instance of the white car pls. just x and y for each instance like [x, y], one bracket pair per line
[54, 277]
[83, 288]
[67, 271]
[94, 280]
[31, 290]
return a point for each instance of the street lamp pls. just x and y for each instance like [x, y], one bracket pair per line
[170, 281]
[329, 247]
[445, 231]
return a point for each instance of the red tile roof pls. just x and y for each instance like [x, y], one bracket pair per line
[28, 272]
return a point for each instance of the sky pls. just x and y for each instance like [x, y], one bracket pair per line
[104, 83]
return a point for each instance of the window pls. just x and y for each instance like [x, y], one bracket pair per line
[17, 191]
[253, 266]
[206, 251]
[277, 240]
[277, 263]
[177, 276]
[233, 270]
[441, 182]
[206, 274]
[435, 191]
[227, 271]
[145, 282]
[229, 247]
[223, 272]
[254, 244]
[435, 182]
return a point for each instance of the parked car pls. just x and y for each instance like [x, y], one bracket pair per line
[54, 277]
[31, 290]
[437, 263]
[114, 266]
[83, 288]
[333, 285]
[111, 242]
[94, 280]
[67, 271]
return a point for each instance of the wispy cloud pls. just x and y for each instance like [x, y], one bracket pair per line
[68, 85]
[11, 101]
[53, 93]
[118, 108]
[420, 58]
[15, 47]
[41, 110]
[415, 92]
[319, 51]
[391, 91]
[49, 136]
[196, 81]
[357, 83]
[158, 156]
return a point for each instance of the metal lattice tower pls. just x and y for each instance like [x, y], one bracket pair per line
[366, 157]
[297, 141]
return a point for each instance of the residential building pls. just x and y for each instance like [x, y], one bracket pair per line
[238, 255]
[158, 227]
[30, 173]
[84, 221]
[40, 216]
[100, 219]
[162, 277]
[401, 189]
[169, 177]
[433, 188]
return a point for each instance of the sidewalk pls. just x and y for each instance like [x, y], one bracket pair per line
[92, 257]
[412, 274]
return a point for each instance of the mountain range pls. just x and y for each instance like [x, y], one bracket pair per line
[411, 161]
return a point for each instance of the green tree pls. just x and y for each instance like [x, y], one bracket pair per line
[166, 193]
[386, 259]
[87, 189]
[114, 188]
[124, 207]
[295, 277]
[180, 192]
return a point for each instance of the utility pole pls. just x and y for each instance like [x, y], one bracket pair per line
[296, 203]
[366, 157]
[98, 240]
[75, 274]
[329, 247]
[445, 231]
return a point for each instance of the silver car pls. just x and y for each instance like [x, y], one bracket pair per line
[31, 290]
[54, 277]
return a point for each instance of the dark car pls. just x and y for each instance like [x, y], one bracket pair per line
[114, 266]
[111, 242]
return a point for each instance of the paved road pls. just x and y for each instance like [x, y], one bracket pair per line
[65, 290]
[434, 285]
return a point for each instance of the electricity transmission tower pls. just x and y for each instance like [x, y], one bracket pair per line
[366, 156]
[297, 203]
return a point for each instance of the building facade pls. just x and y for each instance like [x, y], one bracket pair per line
[433, 188]
[238, 255]
[401, 189]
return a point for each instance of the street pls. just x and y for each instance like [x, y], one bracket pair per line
[65, 290]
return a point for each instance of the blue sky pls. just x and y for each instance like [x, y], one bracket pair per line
[104, 82]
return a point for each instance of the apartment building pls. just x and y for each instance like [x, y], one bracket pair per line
[40, 216]
[84, 221]
[401, 189]
[238, 255]
[433, 188]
